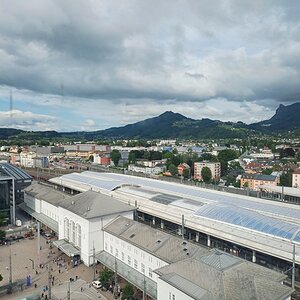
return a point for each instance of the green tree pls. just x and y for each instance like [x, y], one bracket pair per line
[286, 179]
[173, 169]
[115, 156]
[208, 157]
[224, 157]
[132, 157]
[206, 174]
[128, 292]
[105, 276]
[267, 171]
[186, 173]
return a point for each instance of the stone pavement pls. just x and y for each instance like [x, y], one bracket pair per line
[60, 268]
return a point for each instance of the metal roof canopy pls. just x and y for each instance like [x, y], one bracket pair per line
[67, 248]
[40, 217]
[130, 274]
[14, 171]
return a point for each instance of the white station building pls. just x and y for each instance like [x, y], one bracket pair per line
[256, 229]
[95, 213]
[92, 226]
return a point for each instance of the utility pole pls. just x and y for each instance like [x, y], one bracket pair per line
[94, 261]
[38, 243]
[282, 193]
[116, 278]
[49, 281]
[144, 291]
[10, 107]
[10, 273]
[182, 227]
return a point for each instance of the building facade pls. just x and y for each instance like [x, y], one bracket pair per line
[254, 181]
[296, 179]
[215, 168]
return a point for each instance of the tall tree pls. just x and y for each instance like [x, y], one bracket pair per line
[224, 157]
[128, 292]
[172, 169]
[206, 174]
[105, 276]
[115, 156]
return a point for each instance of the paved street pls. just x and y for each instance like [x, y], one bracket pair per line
[61, 270]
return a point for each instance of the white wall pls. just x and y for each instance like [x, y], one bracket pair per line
[133, 256]
[32, 202]
[91, 232]
[49, 210]
[83, 243]
[166, 291]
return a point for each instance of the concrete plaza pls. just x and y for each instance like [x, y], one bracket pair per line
[25, 261]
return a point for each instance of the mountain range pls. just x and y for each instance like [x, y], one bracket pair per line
[175, 125]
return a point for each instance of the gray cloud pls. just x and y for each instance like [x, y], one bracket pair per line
[171, 50]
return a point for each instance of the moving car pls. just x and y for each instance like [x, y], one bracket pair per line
[97, 284]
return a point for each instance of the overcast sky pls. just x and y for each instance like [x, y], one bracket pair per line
[91, 64]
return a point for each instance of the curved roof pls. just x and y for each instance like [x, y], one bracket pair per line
[248, 219]
[14, 171]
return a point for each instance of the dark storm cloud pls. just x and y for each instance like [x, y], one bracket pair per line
[148, 49]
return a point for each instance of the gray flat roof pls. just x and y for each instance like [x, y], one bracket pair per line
[241, 280]
[92, 204]
[186, 286]
[159, 243]
[259, 224]
[46, 193]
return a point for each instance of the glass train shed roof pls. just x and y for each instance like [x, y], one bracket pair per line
[248, 219]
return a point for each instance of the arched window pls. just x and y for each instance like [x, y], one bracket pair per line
[78, 235]
[72, 229]
[66, 227]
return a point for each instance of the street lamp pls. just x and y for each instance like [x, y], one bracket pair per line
[294, 257]
[32, 261]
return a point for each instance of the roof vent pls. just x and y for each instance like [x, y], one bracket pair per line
[185, 249]
[73, 202]
[184, 243]
[132, 236]
[187, 253]
[158, 241]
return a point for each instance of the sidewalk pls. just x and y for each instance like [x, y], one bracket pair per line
[60, 268]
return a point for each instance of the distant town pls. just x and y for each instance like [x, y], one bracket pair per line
[117, 219]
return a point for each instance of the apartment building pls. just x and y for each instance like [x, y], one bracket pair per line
[296, 178]
[254, 181]
[215, 168]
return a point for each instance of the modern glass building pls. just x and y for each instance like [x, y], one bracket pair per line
[12, 182]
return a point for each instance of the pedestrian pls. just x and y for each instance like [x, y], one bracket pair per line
[35, 285]
[81, 289]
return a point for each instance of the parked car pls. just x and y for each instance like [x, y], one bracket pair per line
[97, 284]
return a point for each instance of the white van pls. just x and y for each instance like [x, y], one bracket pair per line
[97, 284]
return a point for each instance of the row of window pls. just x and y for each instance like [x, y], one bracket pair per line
[129, 260]
[135, 251]
[72, 232]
